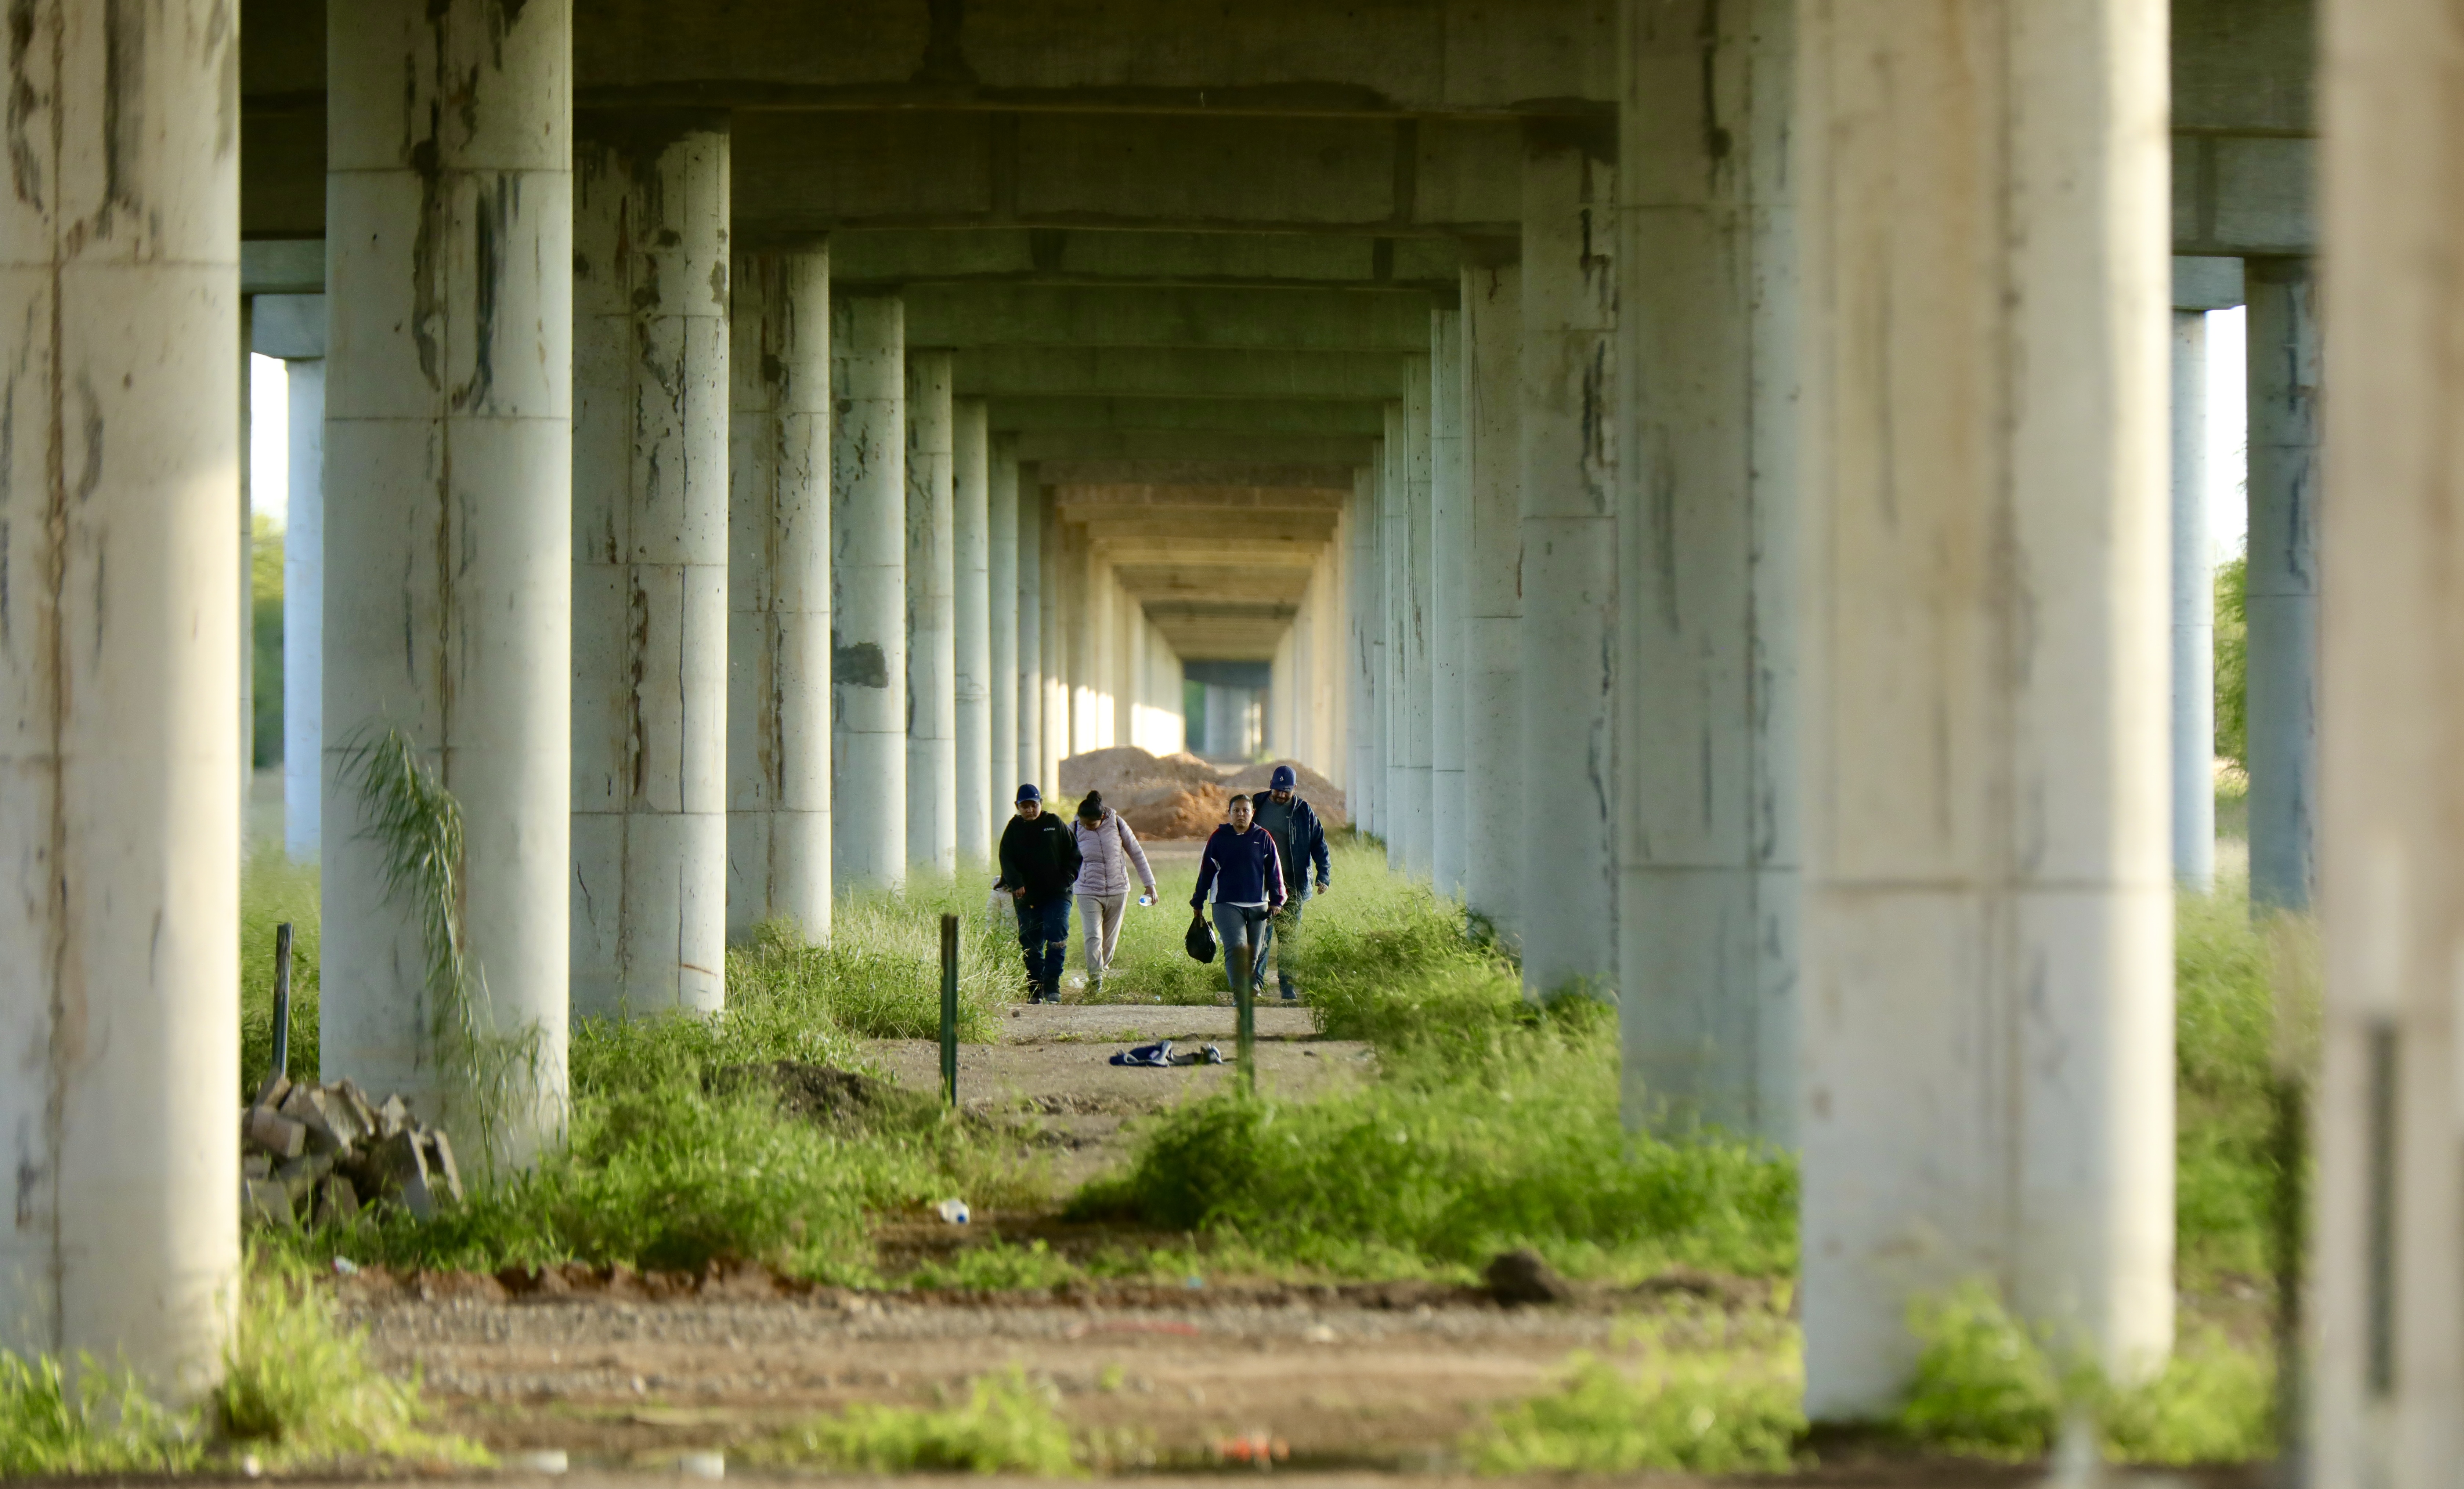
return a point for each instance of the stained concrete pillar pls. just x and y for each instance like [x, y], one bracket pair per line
[122, 1017]
[971, 568]
[303, 609]
[1001, 643]
[1449, 605]
[1492, 803]
[1707, 783]
[778, 593]
[1987, 1051]
[2283, 597]
[1058, 696]
[650, 555]
[2194, 617]
[1364, 632]
[449, 412]
[931, 620]
[869, 591]
[1394, 558]
[1567, 368]
[1418, 574]
[2386, 1336]
[1027, 760]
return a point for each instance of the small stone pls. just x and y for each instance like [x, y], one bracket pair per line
[276, 1134]
[1520, 1276]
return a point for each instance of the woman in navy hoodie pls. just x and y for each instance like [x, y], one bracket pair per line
[1246, 874]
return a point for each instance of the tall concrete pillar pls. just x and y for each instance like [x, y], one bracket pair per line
[2387, 1332]
[869, 591]
[778, 593]
[1057, 695]
[1707, 511]
[1492, 805]
[449, 412]
[122, 1014]
[971, 568]
[1364, 635]
[1566, 829]
[1001, 648]
[1987, 1050]
[650, 555]
[1394, 556]
[2195, 618]
[2283, 580]
[1027, 763]
[1081, 599]
[304, 610]
[1449, 605]
[931, 619]
[1419, 573]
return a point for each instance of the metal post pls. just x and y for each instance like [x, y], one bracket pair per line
[950, 1009]
[281, 1002]
[1245, 1018]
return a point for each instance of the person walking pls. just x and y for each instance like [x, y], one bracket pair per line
[1300, 844]
[1039, 862]
[1107, 847]
[1240, 866]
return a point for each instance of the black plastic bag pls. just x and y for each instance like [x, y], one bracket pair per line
[1201, 940]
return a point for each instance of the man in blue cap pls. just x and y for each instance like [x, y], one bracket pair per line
[1300, 842]
[1039, 862]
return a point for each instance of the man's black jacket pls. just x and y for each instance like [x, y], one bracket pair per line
[1040, 856]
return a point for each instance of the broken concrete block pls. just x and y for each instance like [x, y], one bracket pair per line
[266, 1202]
[393, 1117]
[298, 1176]
[403, 1160]
[256, 1166]
[441, 1165]
[276, 1134]
[277, 1087]
[353, 1100]
[337, 1200]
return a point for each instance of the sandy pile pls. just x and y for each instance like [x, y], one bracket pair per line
[1178, 794]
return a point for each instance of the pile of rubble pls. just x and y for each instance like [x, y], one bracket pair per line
[1181, 796]
[323, 1153]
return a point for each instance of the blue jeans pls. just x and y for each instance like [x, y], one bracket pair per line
[1044, 932]
[1240, 925]
[1291, 921]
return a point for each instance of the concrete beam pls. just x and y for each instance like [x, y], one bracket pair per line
[1129, 372]
[1361, 419]
[1234, 320]
[1298, 527]
[1205, 482]
[1194, 579]
[1204, 445]
[1058, 255]
[1131, 552]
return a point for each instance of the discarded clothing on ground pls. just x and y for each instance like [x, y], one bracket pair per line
[1161, 1054]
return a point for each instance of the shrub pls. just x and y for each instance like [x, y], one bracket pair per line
[94, 1420]
[1710, 1415]
[1007, 1424]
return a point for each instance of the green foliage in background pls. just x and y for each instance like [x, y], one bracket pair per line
[2233, 661]
[2227, 1173]
[265, 624]
[1007, 1424]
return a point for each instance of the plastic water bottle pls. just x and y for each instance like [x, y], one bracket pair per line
[1146, 899]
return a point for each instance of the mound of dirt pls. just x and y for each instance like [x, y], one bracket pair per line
[1315, 789]
[1176, 812]
[1178, 794]
[1115, 772]
[823, 1093]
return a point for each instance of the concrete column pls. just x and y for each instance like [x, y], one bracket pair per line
[869, 591]
[1707, 786]
[778, 588]
[1283, 680]
[931, 619]
[1058, 697]
[2195, 618]
[1449, 605]
[650, 556]
[1492, 805]
[1090, 708]
[1365, 634]
[304, 610]
[2386, 1339]
[1001, 617]
[2283, 577]
[1419, 574]
[1570, 617]
[1394, 713]
[971, 566]
[122, 1019]
[449, 412]
[1029, 764]
[1987, 1045]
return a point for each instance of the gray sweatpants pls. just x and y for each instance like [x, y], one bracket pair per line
[1102, 913]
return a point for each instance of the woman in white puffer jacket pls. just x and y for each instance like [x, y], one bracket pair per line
[1107, 847]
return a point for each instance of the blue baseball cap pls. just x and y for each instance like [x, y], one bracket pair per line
[1282, 780]
[1028, 793]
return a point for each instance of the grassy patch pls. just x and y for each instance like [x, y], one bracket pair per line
[1007, 1424]
[2229, 1172]
[274, 890]
[54, 1421]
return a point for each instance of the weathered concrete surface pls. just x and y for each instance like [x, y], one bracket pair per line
[1416, 572]
[1364, 790]
[1988, 951]
[931, 626]
[303, 608]
[2387, 1329]
[1450, 604]
[1568, 367]
[869, 591]
[1707, 515]
[2194, 613]
[779, 594]
[1167, 316]
[651, 564]
[1395, 599]
[1004, 602]
[120, 650]
[1029, 761]
[1177, 373]
[1492, 805]
[449, 594]
[2283, 605]
[971, 569]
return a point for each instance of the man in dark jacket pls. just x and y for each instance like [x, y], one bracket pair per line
[1300, 844]
[1039, 862]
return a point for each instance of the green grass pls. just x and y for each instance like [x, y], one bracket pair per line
[273, 889]
[1711, 1394]
[1006, 1424]
[56, 1421]
[2227, 1169]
